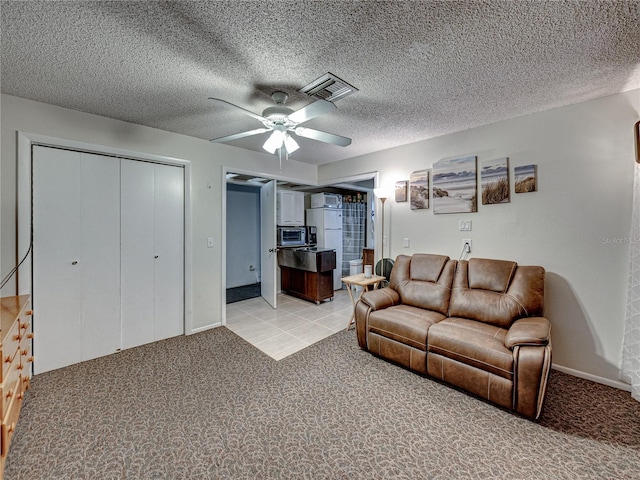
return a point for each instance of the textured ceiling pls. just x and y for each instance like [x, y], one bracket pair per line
[422, 68]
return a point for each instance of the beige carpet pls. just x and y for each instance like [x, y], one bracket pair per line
[211, 406]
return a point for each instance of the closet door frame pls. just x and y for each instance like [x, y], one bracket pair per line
[27, 140]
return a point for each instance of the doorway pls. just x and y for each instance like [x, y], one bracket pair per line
[243, 242]
[250, 249]
[267, 272]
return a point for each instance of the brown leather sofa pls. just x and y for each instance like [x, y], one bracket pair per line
[474, 324]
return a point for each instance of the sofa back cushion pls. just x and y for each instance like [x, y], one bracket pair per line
[424, 280]
[492, 275]
[497, 292]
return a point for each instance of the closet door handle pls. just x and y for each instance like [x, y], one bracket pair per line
[156, 256]
[75, 262]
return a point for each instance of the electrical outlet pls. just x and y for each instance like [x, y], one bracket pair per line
[405, 242]
[385, 240]
[464, 225]
[466, 245]
[209, 242]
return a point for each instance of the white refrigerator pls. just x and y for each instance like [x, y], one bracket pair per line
[329, 224]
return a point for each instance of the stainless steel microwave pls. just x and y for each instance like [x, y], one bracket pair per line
[291, 236]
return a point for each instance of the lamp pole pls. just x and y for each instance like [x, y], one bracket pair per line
[382, 194]
[382, 200]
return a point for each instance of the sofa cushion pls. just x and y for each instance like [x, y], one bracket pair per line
[496, 304]
[405, 324]
[492, 275]
[427, 268]
[423, 280]
[473, 343]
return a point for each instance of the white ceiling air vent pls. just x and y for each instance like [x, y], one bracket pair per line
[328, 87]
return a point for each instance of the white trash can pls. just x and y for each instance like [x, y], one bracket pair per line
[355, 267]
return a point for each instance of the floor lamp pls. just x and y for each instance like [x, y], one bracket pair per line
[384, 266]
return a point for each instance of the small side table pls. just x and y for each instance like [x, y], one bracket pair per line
[361, 281]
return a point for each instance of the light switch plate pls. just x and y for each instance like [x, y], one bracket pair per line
[209, 242]
[405, 242]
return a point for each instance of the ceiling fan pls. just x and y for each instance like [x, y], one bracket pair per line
[282, 122]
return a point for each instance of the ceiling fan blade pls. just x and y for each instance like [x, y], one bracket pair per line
[244, 110]
[236, 136]
[323, 136]
[313, 110]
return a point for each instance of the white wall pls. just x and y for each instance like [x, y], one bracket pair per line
[243, 235]
[577, 225]
[207, 161]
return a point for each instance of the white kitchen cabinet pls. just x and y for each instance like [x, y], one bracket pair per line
[290, 208]
[108, 255]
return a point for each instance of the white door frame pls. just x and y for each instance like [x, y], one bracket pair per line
[27, 140]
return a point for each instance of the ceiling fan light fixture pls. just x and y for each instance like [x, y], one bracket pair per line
[281, 120]
[278, 139]
[274, 142]
[290, 144]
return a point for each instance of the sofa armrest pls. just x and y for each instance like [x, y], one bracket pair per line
[381, 298]
[530, 331]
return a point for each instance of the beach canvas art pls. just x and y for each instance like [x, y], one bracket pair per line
[494, 178]
[401, 191]
[419, 190]
[455, 185]
[526, 178]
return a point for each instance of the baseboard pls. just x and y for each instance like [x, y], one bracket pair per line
[594, 378]
[205, 328]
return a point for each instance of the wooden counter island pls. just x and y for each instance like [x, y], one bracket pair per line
[307, 273]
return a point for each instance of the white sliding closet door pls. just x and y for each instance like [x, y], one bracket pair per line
[100, 250]
[137, 255]
[169, 250]
[76, 252]
[152, 252]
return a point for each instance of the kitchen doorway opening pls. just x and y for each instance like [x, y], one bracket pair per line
[237, 270]
[243, 242]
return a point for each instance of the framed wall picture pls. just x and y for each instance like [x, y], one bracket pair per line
[401, 191]
[419, 190]
[526, 178]
[494, 179]
[455, 185]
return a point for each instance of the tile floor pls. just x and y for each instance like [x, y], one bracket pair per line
[293, 325]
